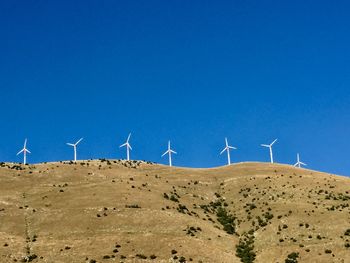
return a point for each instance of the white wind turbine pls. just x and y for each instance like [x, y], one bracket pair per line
[74, 145]
[128, 147]
[299, 163]
[24, 151]
[227, 148]
[270, 147]
[169, 151]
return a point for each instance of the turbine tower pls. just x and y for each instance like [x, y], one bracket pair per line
[270, 147]
[227, 148]
[128, 147]
[74, 145]
[299, 163]
[169, 151]
[24, 151]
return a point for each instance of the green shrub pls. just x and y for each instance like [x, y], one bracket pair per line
[141, 256]
[174, 198]
[292, 258]
[226, 220]
[245, 249]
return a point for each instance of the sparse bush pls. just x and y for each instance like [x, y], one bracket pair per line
[141, 256]
[252, 206]
[174, 198]
[292, 258]
[182, 208]
[245, 249]
[132, 206]
[227, 220]
[29, 258]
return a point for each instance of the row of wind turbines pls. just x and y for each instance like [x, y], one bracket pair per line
[168, 152]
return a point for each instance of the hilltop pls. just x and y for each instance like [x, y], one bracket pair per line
[119, 211]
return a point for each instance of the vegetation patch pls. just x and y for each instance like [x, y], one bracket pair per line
[245, 248]
[192, 231]
[141, 256]
[347, 232]
[132, 206]
[226, 220]
[292, 258]
[172, 197]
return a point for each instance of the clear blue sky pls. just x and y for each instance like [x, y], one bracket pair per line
[190, 71]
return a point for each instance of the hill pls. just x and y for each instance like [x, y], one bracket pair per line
[119, 211]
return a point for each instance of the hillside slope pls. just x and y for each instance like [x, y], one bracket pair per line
[117, 211]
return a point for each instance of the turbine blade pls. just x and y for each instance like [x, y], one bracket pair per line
[265, 145]
[173, 151]
[273, 142]
[231, 147]
[79, 141]
[25, 143]
[123, 145]
[129, 146]
[303, 163]
[128, 137]
[20, 151]
[165, 153]
[28, 151]
[223, 150]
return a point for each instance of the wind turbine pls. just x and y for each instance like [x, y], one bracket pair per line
[169, 151]
[299, 163]
[24, 151]
[74, 145]
[128, 147]
[270, 147]
[227, 148]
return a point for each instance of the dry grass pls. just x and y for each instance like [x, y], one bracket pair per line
[114, 211]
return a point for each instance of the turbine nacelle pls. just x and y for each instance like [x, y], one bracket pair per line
[74, 145]
[228, 148]
[128, 147]
[24, 151]
[270, 147]
[299, 163]
[169, 151]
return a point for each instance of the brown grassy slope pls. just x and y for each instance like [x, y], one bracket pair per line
[81, 212]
